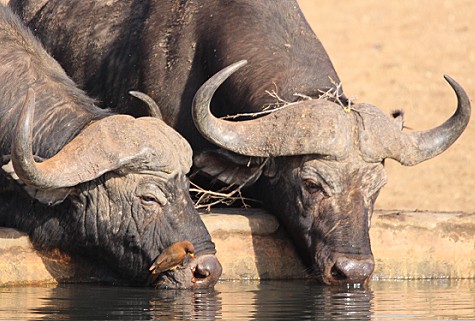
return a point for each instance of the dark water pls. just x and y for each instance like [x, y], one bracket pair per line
[292, 300]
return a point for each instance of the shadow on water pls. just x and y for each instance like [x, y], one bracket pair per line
[268, 300]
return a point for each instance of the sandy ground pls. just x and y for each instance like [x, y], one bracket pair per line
[393, 54]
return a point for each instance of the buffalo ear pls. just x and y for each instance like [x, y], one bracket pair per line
[49, 197]
[228, 167]
[398, 118]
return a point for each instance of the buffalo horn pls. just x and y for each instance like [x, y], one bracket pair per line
[113, 143]
[385, 140]
[420, 146]
[308, 127]
[153, 109]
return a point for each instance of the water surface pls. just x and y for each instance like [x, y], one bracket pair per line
[266, 300]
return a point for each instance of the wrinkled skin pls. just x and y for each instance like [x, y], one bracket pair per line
[141, 224]
[167, 49]
[108, 192]
[327, 205]
[120, 224]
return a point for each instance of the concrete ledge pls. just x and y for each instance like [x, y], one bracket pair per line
[250, 245]
[19, 262]
[416, 245]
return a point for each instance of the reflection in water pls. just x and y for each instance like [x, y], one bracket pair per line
[307, 301]
[186, 305]
[289, 300]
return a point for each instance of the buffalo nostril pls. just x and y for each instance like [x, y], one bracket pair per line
[337, 274]
[352, 270]
[201, 273]
[207, 269]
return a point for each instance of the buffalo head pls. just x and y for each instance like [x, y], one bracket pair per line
[323, 171]
[116, 194]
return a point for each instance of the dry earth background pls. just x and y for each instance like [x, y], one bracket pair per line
[393, 54]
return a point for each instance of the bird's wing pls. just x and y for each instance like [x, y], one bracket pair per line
[161, 259]
[163, 264]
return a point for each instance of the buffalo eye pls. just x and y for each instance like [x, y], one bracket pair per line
[151, 200]
[148, 200]
[313, 187]
[151, 195]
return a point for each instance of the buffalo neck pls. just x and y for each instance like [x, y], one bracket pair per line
[284, 54]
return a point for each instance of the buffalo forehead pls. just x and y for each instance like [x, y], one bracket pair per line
[341, 175]
[163, 146]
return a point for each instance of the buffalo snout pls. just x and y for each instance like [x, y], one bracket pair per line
[201, 272]
[206, 271]
[348, 269]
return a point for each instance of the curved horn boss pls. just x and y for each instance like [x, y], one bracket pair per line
[93, 152]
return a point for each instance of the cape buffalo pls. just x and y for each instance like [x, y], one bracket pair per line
[84, 182]
[317, 165]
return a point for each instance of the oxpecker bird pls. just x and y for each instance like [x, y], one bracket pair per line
[172, 257]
